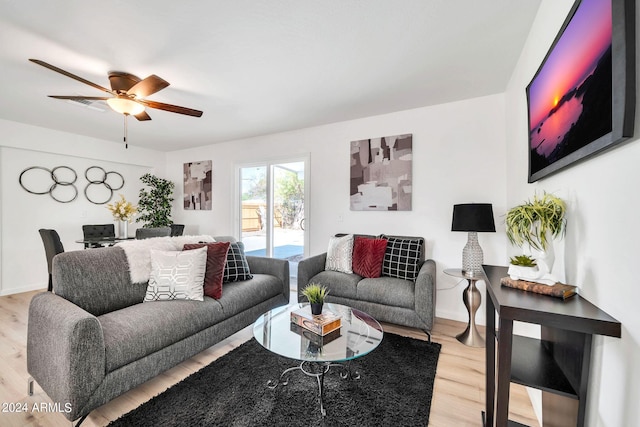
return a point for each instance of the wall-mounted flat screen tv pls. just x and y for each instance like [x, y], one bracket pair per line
[581, 100]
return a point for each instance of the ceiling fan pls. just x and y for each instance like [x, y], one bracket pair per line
[128, 93]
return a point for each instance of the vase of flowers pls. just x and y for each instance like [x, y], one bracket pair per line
[123, 211]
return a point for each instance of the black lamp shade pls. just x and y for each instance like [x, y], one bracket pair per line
[473, 217]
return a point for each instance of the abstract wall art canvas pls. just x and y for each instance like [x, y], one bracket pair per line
[197, 185]
[381, 173]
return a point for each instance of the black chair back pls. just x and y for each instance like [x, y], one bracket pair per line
[177, 229]
[52, 247]
[146, 233]
[97, 231]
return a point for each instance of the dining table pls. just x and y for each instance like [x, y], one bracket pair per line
[102, 241]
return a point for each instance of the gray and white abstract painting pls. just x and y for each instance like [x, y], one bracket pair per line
[381, 173]
[198, 185]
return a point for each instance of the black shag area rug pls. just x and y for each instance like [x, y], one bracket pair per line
[395, 388]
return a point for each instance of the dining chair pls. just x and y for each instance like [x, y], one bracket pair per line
[97, 231]
[146, 233]
[52, 247]
[177, 229]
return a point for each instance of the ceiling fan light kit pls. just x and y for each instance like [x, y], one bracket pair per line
[124, 105]
[128, 93]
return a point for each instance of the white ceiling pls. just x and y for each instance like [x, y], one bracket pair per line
[253, 66]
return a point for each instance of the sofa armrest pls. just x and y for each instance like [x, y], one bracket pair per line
[307, 268]
[65, 351]
[274, 267]
[425, 293]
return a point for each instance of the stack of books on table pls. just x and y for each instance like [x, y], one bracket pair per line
[321, 324]
[318, 340]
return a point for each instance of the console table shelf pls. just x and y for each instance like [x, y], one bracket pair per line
[558, 363]
[533, 365]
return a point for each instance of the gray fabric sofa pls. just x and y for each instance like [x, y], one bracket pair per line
[388, 299]
[94, 339]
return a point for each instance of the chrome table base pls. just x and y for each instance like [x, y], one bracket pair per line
[317, 370]
[471, 299]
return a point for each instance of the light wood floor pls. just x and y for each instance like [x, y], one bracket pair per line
[458, 397]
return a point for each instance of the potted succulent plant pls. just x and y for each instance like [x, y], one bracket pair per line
[316, 295]
[533, 226]
[522, 266]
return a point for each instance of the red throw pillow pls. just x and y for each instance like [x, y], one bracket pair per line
[367, 256]
[216, 258]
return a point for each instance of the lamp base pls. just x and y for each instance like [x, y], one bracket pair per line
[472, 256]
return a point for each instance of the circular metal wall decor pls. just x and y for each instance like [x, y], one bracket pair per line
[111, 181]
[57, 181]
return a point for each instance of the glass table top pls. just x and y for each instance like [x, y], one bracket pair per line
[358, 335]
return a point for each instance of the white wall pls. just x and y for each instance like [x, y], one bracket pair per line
[459, 156]
[600, 248]
[23, 264]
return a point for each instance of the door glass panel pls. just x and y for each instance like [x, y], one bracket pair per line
[253, 182]
[288, 211]
[272, 210]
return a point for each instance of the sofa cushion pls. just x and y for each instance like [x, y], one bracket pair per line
[388, 291]
[142, 329]
[177, 275]
[237, 267]
[216, 260]
[104, 284]
[368, 255]
[338, 284]
[340, 253]
[243, 295]
[403, 257]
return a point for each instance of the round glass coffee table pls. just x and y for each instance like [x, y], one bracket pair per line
[359, 334]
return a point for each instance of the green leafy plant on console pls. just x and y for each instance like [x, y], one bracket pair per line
[535, 221]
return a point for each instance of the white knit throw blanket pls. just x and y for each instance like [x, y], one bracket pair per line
[139, 255]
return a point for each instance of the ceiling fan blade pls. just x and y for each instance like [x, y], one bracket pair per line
[171, 108]
[68, 74]
[142, 116]
[121, 82]
[90, 98]
[148, 86]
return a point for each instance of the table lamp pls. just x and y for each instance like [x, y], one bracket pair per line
[473, 218]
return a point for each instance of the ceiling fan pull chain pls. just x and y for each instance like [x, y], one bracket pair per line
[126, 144]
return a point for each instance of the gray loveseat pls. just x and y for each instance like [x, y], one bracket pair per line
[388, 299]
[94, 339]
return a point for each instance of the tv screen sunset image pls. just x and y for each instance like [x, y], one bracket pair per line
[570, 99]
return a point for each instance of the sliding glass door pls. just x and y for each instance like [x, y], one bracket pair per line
[272, 209]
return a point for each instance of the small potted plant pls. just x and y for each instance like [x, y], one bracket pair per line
[522, 266]
[316, 295]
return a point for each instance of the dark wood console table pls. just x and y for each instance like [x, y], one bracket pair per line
[557, 364]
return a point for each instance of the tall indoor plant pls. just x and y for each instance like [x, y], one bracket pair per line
[533, 226]
[154, 205]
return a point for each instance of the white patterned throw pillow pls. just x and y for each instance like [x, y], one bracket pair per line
[177, 275]
[340, 254]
